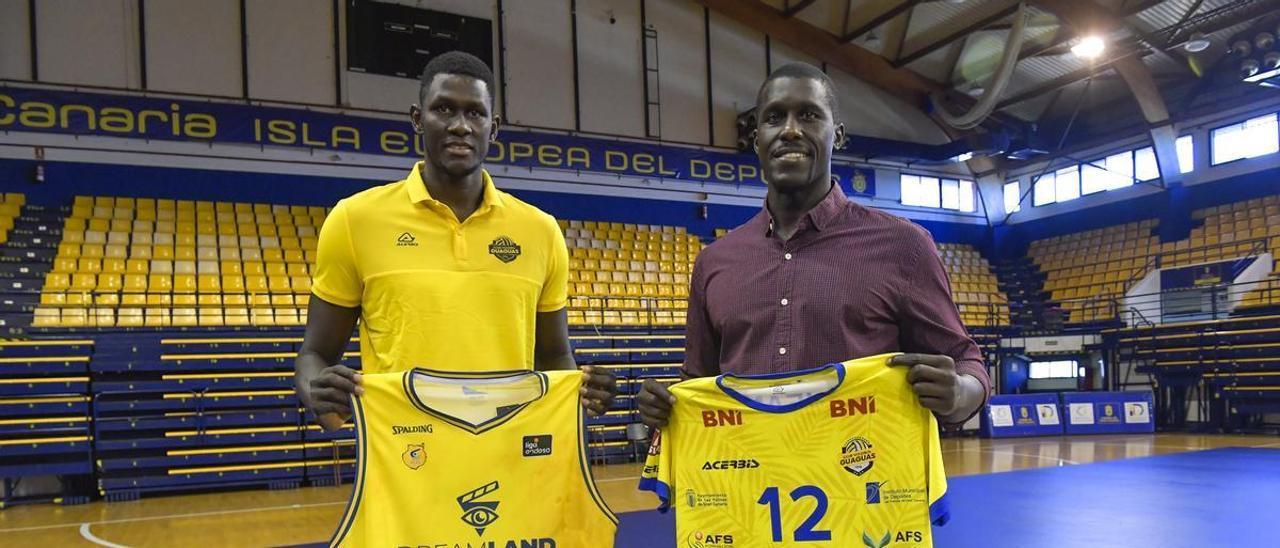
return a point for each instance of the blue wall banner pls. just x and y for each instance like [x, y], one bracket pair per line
[1108, 412]
[102, 114]
[1009, 415]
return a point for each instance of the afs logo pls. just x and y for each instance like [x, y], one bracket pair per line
[406, 240]
[479, 513]
[852, 407]
[722, 417]
[698, 539]
[901, 536]
[504, 248]
[414, 456]
[857, 456]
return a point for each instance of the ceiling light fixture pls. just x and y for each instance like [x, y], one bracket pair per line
[1197, 43]
[1089, 47]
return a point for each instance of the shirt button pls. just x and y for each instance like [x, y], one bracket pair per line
[782, 350]
[784, 302]
[787, 256]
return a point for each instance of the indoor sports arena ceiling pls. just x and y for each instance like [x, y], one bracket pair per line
[950, 49]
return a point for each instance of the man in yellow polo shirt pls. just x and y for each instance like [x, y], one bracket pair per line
[444, 270]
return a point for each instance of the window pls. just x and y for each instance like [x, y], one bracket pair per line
[920, 191]
[950, 194]
[1045, 191]
[1145, 167]
[1248, 139]
[1068, 183]
[1120, 170]
[1094, 177]
[1186, 153]
[924, 191]
[1012, 198]
[967, 202]
[1064, 369]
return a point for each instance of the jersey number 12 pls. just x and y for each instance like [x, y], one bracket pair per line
[805, 532]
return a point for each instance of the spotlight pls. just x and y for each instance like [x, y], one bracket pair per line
[1241, 48]
[1264, 41]
[1089, 47]
[1271, 60]
[1197, 43]
[1248, 67]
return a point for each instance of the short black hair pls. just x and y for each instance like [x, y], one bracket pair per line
[456, 62]
[805, 70]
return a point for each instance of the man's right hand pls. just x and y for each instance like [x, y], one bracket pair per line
[655, 403]
[330, 395]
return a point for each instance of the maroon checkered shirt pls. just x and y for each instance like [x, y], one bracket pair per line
[851, 282]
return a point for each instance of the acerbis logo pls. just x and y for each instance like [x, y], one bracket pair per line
[406, 240]
[735, 464]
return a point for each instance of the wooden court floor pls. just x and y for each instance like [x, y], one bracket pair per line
[308, 515]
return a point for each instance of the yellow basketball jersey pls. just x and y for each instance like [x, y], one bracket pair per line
[490, 460]
[838, 456]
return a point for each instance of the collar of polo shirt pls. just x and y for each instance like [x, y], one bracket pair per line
[418, 192]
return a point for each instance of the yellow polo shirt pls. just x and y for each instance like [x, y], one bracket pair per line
[437, 293]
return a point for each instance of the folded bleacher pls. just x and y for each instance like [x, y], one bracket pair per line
[1230, 367]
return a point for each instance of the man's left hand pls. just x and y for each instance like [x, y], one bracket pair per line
[599, 386]
[934, 380]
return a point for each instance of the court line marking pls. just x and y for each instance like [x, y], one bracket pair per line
[175, 516]
[1014, 453]
[89, 536]
[628, 478]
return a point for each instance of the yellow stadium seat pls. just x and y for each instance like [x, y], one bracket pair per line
[255, 284]
[184, 283]
[254, 268]
[279, 284]
[208, 283]
[236, 316]
[83, 282]
[46, 317]
[185, 317]
[301, 285]
[262, 317]
[160, 283]
[109, 283]
[232, 283]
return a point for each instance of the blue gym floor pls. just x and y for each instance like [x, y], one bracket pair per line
[1226, 497]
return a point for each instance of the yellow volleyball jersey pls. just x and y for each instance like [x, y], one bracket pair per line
[473, 459]
[838, 456]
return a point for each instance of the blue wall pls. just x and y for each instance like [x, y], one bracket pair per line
[65, 180]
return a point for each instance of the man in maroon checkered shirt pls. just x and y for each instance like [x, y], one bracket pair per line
[815, 278]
